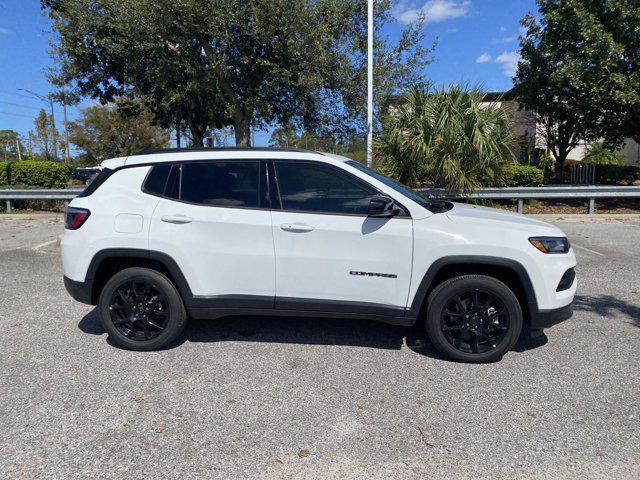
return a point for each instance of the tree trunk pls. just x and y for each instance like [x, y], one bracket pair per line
[560, 161]
[242, 127]
[198, 138]
[197, 133]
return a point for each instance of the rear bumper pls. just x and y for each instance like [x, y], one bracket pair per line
[548, 318]
[80, 291]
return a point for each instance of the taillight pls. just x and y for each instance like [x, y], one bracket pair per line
[76, 217]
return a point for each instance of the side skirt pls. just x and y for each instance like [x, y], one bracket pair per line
[224, 306]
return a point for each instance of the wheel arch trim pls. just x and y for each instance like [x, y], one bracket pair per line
[130, 253]
[470, 260]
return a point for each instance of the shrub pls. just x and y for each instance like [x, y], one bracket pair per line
[521, 176]
[609, 174]
[598, 154]
[617, 174]
[41, 173]
[5, 173]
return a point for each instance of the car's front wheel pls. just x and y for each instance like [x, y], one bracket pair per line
[141, 309]
[473, 318]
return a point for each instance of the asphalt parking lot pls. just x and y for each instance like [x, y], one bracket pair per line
[243, 398]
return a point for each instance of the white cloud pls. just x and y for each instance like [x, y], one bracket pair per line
[434, 11]
[484, 58]
[509, 62]
[4, 31]
[503, 28]
[513, 38]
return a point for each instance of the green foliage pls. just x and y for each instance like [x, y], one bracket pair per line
[600, 155]
[41, 174]
[521, 176]
[353, 147]
[446, 138]
[205, 64]
[617, 174]
[607, 174]
[5, 173]
[359, 156]
[11, 145]
[111, 131]
[46, 138]
[581, 64]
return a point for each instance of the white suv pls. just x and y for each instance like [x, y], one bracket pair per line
[208, 233]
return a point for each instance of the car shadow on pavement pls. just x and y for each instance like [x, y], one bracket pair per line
[307, 331]
[607, 306]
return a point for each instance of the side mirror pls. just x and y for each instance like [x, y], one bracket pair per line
[381, 206]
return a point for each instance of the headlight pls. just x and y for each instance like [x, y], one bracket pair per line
[551, 244]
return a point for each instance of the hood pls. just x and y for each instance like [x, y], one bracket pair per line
[502, 219]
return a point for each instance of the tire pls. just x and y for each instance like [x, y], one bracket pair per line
[473, 318]
[139, 319]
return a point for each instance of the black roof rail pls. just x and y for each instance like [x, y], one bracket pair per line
[222, 149]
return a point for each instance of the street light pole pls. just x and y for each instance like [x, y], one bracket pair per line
[53, 118]
[67, 157]
[369, 83]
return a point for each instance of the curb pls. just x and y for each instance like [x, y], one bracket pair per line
[597, 217]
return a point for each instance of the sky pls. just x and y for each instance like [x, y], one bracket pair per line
[476, 43]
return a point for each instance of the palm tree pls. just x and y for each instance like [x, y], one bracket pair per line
[447, 138]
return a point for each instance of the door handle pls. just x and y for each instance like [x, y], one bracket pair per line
[177, 219]
[296, 227]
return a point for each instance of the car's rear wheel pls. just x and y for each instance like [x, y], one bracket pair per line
[473, 318]
[141, 309]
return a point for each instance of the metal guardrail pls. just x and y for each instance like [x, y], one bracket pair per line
[523, 193]
[518, 193]
[38, 194]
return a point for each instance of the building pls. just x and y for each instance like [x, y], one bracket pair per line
[525, 128]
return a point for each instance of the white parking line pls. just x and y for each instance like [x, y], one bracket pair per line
[51, 242]
[588, 250]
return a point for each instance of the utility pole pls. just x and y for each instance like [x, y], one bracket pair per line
[53, 118]
[66, 128]
[369, 83]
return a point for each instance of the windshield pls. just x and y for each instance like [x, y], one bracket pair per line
[398, 187]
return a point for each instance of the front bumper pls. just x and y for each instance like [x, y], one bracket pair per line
[548, 318]
[80, 291]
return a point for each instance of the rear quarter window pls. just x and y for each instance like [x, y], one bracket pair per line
[156, 180]
[102, 177]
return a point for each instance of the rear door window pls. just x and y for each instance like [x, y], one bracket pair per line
[221, 184]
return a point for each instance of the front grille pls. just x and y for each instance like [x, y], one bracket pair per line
[567, 280]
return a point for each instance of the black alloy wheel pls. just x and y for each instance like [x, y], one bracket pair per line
[141, 309]
[474, 321]
[473, 318]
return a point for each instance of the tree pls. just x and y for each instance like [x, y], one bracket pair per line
[284, 138]
[210, 63]
[447, 137]
[115, 130]
[580, 72]
[46, 135]
[11, 144]
[620, 22]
